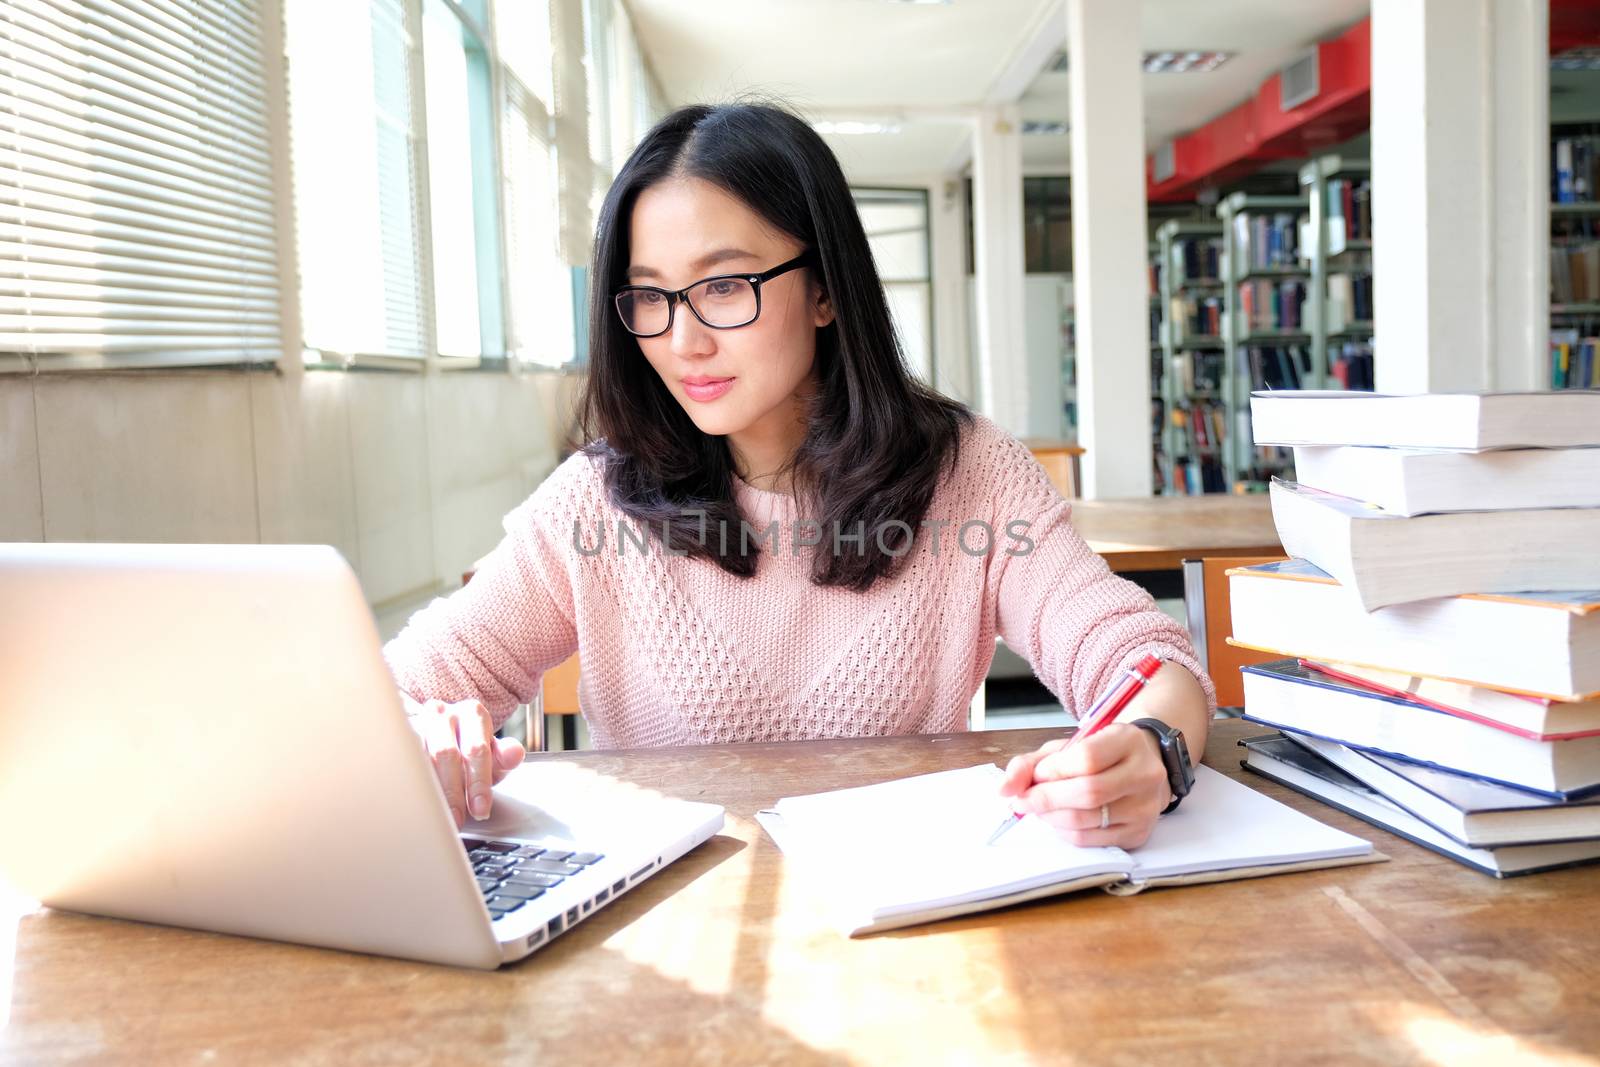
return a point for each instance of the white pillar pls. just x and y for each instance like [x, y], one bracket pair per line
[1460, 127]
[1109, 242]
[997, 252]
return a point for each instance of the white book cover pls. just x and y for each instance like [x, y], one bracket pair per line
[1421, 481]
[1387, 559]
[1470, 421]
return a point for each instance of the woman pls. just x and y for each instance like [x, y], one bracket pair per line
[773, 531]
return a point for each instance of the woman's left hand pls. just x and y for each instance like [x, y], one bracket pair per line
[1106, 790]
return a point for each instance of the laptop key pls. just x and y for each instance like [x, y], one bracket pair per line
[527, 852]
[470, 843]
[585, 858]
[534, 880]
[496, 913]
[487, 884]
[545, 866]
[506, 904]
[499, 846]
[526, 892]
[556, 854]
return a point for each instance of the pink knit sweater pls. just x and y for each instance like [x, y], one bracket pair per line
[675, 650]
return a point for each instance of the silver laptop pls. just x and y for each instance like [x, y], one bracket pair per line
[207, 736]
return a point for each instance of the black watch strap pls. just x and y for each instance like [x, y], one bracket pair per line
[1175, 756]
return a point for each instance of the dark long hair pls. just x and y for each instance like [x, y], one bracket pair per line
[877, 440]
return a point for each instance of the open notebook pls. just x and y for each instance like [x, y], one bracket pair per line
[913, 850]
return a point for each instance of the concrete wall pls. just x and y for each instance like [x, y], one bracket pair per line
[407, 475]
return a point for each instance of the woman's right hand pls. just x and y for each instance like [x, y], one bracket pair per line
[467, 758]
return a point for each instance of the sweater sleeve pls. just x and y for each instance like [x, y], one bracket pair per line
[493, 639]
[1057, 603]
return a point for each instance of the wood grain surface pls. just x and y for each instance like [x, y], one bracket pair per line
[725, 959]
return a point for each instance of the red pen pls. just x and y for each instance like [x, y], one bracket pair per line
[1129, 683]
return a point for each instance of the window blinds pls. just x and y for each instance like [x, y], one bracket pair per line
[136, 223]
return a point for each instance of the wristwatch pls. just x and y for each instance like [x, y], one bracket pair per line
[1175, 754]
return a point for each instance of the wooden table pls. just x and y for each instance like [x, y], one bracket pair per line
[1157, 533]
[723, 959]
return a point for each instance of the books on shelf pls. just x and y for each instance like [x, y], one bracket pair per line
[1575, 272]
[1574, 360]
[1289, 763]
[1418, 481]
[1540, 644]
[1266, 304]
[1200, 259]
[1266, 241]
[1349, 211]
[1469, 421]
[1196, 316]
[1575, 169]
[1287, 695]
[1349, 305]
[1350, 364]
[915, 848]
[1391, 559]
[1274, 366]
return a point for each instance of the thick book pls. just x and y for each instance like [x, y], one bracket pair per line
[915, 850]
[1287, 696]
[1281, 760]
[1539, 718]
[1387, 559]
[1541, 644]
[1475, 812]
[1422, 481]
[1469, 421]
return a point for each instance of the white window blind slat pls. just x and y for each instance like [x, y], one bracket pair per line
[98, 110]
[124, 44]
[102, 156]
[65, 296]
[136, 213]
[54, 51]
[127, 237]
[67, 180]
[90, 262]
[46, 192]
[208, 48]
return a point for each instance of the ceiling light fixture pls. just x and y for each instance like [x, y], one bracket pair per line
[852, 127]
[1184, 62]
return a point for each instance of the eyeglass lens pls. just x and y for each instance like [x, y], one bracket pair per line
[719, 302]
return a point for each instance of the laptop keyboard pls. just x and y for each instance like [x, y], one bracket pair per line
[509, 875]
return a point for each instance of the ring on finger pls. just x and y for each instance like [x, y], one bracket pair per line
[1105, 816]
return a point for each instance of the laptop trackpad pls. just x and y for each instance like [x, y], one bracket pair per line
[511, 817]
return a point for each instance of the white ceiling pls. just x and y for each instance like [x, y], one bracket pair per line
[926, 65]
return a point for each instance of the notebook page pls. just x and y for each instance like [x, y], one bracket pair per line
[1225, 824]
[918, 843]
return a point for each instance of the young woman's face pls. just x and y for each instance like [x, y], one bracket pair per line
[685, 230]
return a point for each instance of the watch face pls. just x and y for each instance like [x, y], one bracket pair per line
[1184, 766]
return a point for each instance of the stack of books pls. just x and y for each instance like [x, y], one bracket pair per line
[1440, 619]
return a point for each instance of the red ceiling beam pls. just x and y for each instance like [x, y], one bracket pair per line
[1258, 131]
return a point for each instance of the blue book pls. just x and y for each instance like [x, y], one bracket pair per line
[1289, 696]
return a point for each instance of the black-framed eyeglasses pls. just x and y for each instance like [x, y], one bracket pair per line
[723, 302]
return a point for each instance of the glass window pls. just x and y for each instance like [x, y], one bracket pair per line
[462, 198]
[896, 221]
[352, 139]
